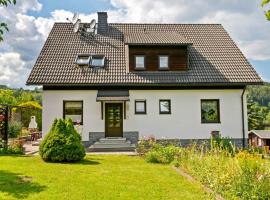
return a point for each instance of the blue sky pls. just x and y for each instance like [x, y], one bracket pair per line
[30, 22]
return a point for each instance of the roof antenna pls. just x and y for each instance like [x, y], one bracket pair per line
[74, 18]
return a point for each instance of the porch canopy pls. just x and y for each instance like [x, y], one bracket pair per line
[113, 95]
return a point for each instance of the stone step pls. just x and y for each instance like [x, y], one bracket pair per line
[112, 140]
[125, 149]
[111, 145]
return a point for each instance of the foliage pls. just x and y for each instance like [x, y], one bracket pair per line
[145, 144]
[243, 175]
[7, 97]
[14, 129]
[30, 108]
[161, 154]
[62, 143]
[16, 147]
[3, 26]
[19, 96]
[259, 106]
[267, 12]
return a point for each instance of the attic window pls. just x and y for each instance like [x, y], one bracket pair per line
[83, 59]
[90, 60]
[97, 61]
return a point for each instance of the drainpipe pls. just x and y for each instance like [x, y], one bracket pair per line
[243, 116]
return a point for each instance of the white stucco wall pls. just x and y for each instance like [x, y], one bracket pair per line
[184, 122]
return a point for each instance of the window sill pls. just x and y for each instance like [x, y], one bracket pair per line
[140, 113]
[165, 113]
[211, 122]
[164, 69]
[139, 69]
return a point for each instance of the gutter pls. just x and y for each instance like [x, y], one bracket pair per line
[243, 117]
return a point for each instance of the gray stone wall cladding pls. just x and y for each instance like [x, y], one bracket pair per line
[238, 142]
[95, 136]
[132, 136]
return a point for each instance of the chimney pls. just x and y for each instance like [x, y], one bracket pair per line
[102, 23]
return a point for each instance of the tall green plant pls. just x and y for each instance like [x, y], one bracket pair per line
[62, 143]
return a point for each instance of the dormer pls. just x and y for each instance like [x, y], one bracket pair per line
[157, 51]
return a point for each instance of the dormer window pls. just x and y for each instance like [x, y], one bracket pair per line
[83, 60]
[163, 62]
[97, 61]
[139, 62]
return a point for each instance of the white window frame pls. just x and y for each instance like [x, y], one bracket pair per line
[139, 67]
[163, 67]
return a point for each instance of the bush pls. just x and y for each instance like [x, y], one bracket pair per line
[14, 129]
[16, 147]
[161, 154]
[241, 175]
[62, 143]
[145, 144]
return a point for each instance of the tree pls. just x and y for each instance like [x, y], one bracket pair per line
[3, 26]
[267, 12]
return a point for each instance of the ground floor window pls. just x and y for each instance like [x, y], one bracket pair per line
[74, 111]
[210, 111]
[140, 106]
[164, 106]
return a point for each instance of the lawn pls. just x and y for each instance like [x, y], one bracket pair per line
[97, 177]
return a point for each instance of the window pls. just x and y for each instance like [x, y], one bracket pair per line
[74, 111]
[210, 111]
[165, 106]
[97, 61]
[83, 59]
[139, 62]
[140, 106]
[163, 62]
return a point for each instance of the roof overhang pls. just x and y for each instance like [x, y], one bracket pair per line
[113, 95]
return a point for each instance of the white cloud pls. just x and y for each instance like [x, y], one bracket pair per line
[13, 70]
[243, 19]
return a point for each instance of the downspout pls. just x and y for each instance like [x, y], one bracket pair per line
[243, 116]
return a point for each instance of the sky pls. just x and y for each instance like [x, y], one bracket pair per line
[30, 22]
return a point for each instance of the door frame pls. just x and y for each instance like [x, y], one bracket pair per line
[121, 114]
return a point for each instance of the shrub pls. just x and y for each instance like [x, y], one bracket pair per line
[16, 147]
[62, 143]
[241, 175]
[14, 129]
[161, 154]
[145, 144]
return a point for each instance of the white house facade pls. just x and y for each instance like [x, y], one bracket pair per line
[126, 81]
[183, 122]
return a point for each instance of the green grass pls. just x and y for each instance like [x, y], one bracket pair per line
[97, 177]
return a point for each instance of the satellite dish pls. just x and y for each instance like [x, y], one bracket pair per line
[77, 26]
[75, 18]
[93, 24]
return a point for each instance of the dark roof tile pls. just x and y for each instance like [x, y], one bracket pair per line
[213, 58]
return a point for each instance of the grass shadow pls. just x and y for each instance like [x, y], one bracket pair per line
[18, 185]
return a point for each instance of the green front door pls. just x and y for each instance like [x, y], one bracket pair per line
[113, 120]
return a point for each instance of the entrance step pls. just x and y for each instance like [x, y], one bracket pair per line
[113, 140]
[112, 145]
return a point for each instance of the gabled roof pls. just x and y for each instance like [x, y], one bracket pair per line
[263, 134]
[213, 57]
[155, 38]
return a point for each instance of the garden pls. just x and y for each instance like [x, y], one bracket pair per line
[227, 171]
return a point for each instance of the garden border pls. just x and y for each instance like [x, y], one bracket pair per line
[193, 180]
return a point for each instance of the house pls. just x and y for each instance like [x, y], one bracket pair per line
[173, 81]
[259, 138]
